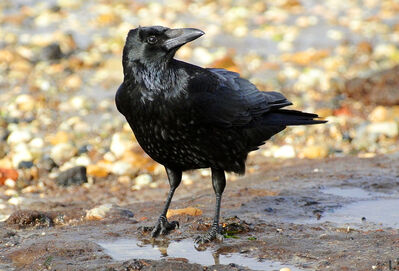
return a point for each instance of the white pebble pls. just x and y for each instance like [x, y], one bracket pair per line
[62, 152]
[10, 183]
[21, 153]
[120, 144]
[121, 168]
[285, 151]
[16, 200]
[99, 212]
[143, 179]
[19, 136]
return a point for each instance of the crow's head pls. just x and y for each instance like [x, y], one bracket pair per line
[156, 43]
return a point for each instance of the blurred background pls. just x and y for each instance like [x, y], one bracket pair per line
[60, 66]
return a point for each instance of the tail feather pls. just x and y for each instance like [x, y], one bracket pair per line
[290, 117]
[276, 121]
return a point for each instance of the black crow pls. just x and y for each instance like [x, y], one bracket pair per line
[187, 117]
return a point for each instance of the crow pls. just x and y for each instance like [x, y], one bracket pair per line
[187, 117]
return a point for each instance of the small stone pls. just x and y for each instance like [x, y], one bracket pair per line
[203, 55]
[52, 52]
[389, 128]
[62, 152]
[31, 189]
[123, 179]
[84, 149]
[191, 211]
[25, 102]
[69, 4]
[143, 179]
[19, 136]
[59, 137]
[6, 173]
[74, 82]
[97, 171]
[121, 143]
[315, 151]
[47, 164]
[10, 183]
[11, 192]
[25, 164]
[72, 176]
[379, 114]
[99, 212]
[15, 200]
[286, 151]
[122, 168]
[36, 143]
[21, 154]
[83, 160]
[285, 269]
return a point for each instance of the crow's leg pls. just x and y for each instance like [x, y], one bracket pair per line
[219, 183]
[163, 226]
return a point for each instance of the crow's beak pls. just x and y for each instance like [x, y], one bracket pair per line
[180, 36]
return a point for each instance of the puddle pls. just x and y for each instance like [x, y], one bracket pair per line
[125, 249]
[379, 211]
[352, 192]
[377, 208]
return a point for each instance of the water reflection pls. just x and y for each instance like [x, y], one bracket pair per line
[125, 249]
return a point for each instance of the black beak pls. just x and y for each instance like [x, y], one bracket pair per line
[180, 36]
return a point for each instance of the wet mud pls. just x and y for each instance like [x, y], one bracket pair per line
[331, 214]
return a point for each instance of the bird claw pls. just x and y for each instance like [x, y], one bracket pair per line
[213, 234]
[163, 227]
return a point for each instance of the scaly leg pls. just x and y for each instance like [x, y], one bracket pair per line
[219, 183]
[163, 226]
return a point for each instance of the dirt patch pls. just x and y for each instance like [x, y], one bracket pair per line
[282, 216]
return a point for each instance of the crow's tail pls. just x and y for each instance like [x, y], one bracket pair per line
[290, 117]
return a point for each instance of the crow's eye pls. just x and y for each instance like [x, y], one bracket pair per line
[152, 39]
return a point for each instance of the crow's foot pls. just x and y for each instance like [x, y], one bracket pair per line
[213, 234]
[163, 227]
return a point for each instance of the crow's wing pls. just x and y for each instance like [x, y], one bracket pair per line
[234, 101]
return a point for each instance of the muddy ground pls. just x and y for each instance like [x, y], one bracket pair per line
[286, 214]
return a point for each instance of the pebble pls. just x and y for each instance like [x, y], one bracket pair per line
[78, 102]
[99, 212]
[7, 173]
[389, 128]
[83, 160]
[379, 114]
[15, 200]
[47, 164]
[72, 176]
[36, 143]
[315, 151]
[21, 154]
[124, 180]
[143, 179]
[10, 183]
[25, 164]
[286, 151]
[63, 152]
[122, 168]
[285, 269]
[51, 52]
[59, 137]
[97, 171]
[25, 102]
[19, 136]
[121, 143]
